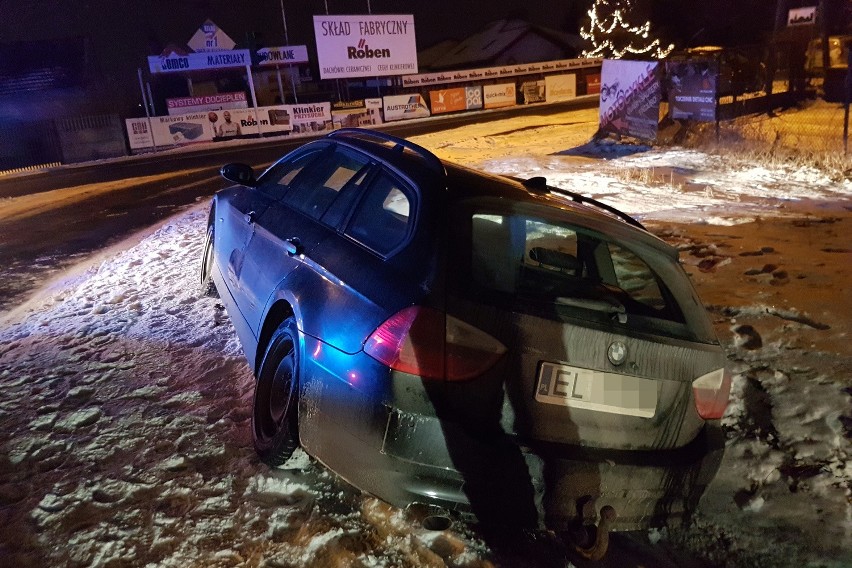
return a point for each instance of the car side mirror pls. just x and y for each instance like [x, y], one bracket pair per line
[239, 173]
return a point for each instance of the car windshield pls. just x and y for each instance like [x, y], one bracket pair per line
[539, 263]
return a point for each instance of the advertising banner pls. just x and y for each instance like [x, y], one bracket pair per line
[404, 107]
[199, 61]
[593, 83]
[210, 37]
[497, 96]
[219, 101]
[352, 114]
[138, 133]
[282, 55]
[447, 100]
[692, 89]
[630, 98]
[365, 46]
[560, 87]
[251, 121]
[425, 79]
[311, 117]
[451, 100]
[801, 16]
[533, 91]
[170, 130]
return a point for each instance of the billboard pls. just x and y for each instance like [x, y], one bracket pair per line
[484, 73]
[692, 89]
[311, 117]
[801, 16]
[169, 130]
[630, 97]
[219, 101]
[497, 96]
[451, 100]
[282, 55]
[198, 61]
[405, 107]
[365, 112]
[593, 84]
[560, 87]
[533, 91]
[251, 121]
[209, 37]
[365, 46]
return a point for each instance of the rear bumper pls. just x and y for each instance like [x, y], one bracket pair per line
[500, 480]
[383, 435]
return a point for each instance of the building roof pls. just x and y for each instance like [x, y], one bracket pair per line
[485, 46]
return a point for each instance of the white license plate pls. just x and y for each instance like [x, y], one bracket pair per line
[596, 390]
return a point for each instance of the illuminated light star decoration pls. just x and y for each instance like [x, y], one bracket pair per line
[602, 30]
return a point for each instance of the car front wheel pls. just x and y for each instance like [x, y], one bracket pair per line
[275, 412]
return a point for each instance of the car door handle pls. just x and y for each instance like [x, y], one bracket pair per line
[250, 217]
[293, 246]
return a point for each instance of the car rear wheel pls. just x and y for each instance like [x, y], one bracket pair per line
[208, 287]
[275, 413]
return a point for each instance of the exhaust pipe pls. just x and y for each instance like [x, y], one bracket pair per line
[430, 517]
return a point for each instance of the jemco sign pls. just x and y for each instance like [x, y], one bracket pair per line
[199, 61]
[365, 46]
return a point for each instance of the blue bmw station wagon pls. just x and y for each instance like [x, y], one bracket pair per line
[497, 348]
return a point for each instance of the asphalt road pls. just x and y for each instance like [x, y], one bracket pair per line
[71, 219]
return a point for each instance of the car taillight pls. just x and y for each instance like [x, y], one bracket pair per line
[431, 344]
[711, 393]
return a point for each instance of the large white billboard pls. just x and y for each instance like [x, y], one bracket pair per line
[365, 46]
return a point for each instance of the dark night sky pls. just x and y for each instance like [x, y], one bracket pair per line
[130, 26]
[121, 33]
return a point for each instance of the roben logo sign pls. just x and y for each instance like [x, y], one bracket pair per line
[363, 51]
[365, 45]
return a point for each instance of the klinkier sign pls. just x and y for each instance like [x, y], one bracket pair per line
[365, 46]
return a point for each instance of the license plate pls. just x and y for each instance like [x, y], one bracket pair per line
[596, 390]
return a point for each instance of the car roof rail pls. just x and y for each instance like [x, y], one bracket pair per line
[398, 144]
[538, 184]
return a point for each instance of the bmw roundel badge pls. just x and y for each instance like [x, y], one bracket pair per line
[616, 353]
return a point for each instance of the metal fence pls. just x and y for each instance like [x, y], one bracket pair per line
[768, 98]
[29, 145]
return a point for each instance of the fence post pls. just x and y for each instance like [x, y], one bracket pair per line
[848, 97]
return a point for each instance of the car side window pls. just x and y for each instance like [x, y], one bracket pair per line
[313, 192]
[384, 215]
[276, 181]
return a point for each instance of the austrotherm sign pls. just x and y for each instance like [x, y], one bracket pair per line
[365, 46]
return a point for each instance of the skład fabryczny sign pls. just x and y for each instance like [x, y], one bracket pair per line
[199, 61]
[365, 46]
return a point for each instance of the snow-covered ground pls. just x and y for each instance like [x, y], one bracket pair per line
[124, 416]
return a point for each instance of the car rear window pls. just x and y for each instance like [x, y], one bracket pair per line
[548, 266]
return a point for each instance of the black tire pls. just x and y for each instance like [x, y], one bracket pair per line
[208, 287]
[275, 415]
